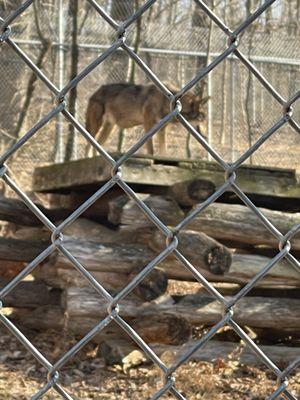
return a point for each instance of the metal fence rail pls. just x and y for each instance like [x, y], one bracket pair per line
[113, 312]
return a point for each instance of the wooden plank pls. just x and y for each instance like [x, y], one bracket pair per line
[164, 172]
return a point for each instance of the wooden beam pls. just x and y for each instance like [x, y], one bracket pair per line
[154, 285]
[201, 250]
[198, 310]
[239, 223]
[243, 268]
[164, 172]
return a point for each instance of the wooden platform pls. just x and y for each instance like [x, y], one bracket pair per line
[89, 173]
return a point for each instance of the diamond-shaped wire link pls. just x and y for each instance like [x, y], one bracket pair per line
[58, 243]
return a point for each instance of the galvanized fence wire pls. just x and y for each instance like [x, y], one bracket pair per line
[113, 311]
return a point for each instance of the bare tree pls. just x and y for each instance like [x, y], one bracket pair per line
[45, 46]
[223, 85]
[73, 12]
[248, 107]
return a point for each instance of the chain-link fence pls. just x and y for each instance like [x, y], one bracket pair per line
[175, 39]
[284, 118]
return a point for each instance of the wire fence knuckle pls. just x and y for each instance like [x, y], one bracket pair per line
[5, 35]
[3, 170]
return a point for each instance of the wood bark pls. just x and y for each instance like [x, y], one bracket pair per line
[164, 328]
[121, 352]
[52, 317]
[198, 310]
[61, 277]
[99, 209]
[28, 233]
[82, 229]
[239, 223]
[41, 319]
[117, 258]
[125, 258]
[14, 210]
[202, 251]
[103, 257]
[189, 193]
[124, 211]
[156, 172]
[30, 294]
[153, 285]
[20, 250]
[9, 269]
[243, 268]
[108, 257]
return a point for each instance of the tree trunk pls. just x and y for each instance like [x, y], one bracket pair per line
[243, 268]
[14, 210]
[240, 224]
[153, 286]
[103, 257]
[9, 269]
[124, 211]
[163, 328]
[41, 318]
[20, 250]
[30, 294]
[189, 193]
[202, 251]
[277, 313]
[70, 146]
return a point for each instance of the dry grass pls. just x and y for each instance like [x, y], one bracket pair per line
[86, 377]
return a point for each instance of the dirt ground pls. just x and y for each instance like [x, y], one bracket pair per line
[86, 377]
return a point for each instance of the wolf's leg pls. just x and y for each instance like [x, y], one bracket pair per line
[149, 144]
[148, 124]
[104, 133]
[162, 144]
[94, 119]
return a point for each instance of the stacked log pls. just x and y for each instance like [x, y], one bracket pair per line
[115, 240]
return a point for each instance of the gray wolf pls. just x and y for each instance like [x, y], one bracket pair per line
[127, 105]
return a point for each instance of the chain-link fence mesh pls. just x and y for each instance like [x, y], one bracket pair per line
[274, 100]
[175, 39]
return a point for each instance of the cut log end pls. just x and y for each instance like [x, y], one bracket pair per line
[189, 193]
[218, 260]
[153, 285]
[200, 189]
[164, 328]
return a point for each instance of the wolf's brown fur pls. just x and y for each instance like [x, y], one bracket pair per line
[127, 105]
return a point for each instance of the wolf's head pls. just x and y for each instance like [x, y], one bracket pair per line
[193, 107]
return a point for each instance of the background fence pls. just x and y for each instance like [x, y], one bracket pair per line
[175, 39]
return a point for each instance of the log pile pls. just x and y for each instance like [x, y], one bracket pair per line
[114, 240]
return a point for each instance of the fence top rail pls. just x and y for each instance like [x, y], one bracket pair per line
[162, 51]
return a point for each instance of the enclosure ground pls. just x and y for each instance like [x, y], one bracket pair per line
[86, 376]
